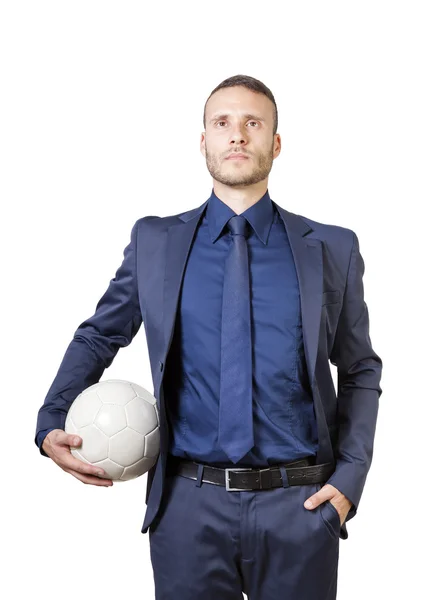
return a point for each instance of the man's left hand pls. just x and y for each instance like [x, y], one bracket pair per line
[328, 492]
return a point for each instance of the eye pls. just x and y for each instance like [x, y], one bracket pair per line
[218, 122]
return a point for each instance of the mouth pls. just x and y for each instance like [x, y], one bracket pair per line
[237, 157]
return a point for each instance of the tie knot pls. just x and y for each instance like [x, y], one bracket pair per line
[238, 225]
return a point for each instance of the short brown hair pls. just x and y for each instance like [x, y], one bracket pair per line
[251, 84]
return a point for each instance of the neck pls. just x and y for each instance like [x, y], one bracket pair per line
[240, 198]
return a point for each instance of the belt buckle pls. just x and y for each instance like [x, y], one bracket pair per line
[231, 489]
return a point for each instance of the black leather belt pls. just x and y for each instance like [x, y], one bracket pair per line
[299, 472]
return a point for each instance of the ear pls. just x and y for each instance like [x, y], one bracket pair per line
[277, 145]
[202, 143]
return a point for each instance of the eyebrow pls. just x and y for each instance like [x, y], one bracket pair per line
[246, 116]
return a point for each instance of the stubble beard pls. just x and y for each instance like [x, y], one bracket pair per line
[233, 177]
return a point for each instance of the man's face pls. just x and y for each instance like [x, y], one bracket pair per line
[238, 120]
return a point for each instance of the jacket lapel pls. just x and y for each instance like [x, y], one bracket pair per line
[179, 240]
[308, 259]
[307, 254]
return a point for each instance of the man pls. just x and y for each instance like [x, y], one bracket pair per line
[244, 305]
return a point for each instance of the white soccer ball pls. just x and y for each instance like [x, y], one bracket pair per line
[118, 422]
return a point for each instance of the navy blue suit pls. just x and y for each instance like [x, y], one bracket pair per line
[324, 318]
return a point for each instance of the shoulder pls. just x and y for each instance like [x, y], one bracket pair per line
[155, 222]
[337, 241]
[329, 232]
[161, 223]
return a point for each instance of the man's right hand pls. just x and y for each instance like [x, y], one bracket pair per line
[57, 446]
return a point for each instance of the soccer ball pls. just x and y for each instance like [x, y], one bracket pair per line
[118, 422]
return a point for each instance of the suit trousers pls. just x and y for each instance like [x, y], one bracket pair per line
[207, 542]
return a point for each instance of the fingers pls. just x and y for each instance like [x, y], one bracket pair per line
[67, 439]
[70, 463]
[60, 443]
[89, 479]
[325, 493]
[58, 437]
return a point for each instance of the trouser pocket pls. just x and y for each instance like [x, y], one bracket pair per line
[329, 516]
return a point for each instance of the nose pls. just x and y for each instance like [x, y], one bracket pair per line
[238, 135]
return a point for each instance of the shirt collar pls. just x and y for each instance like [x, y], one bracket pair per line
[259, 215]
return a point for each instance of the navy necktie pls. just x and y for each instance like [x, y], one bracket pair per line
[235, 435]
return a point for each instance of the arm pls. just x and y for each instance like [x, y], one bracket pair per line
[95, 343]
[359, 371]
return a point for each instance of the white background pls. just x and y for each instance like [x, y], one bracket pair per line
[101, 116]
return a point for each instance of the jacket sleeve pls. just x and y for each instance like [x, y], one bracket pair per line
[96, 341]
[359, 373]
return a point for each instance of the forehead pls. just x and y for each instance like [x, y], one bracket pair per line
[238, 101]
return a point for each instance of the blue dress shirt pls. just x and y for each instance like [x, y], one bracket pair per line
[283, 411]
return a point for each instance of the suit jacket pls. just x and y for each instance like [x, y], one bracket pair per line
[335, 325]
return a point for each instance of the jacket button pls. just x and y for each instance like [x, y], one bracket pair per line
[160, 365]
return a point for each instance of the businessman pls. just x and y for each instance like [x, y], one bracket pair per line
[245, 305]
